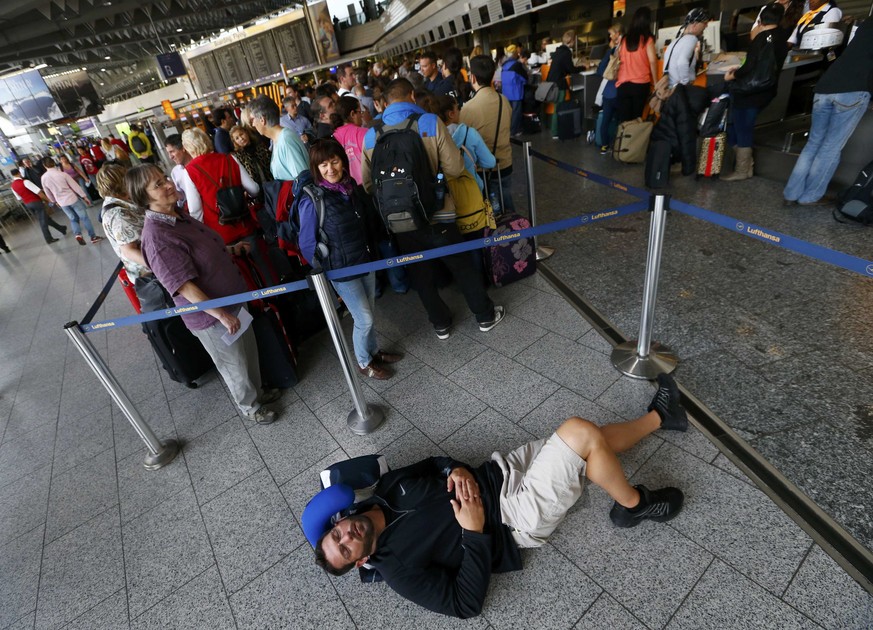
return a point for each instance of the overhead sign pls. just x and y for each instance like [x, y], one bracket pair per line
[168, 109]
[171, 66]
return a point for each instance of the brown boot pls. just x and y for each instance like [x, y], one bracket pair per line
[744, 167]
[376, 371]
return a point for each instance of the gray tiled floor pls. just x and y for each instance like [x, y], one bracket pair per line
[777, 344]
[89, 539]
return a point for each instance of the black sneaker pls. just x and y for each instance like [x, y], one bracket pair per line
[656, 505]
[443, 333]
[667, 403]
[499, 313]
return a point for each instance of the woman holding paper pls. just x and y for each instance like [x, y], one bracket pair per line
[191, 261]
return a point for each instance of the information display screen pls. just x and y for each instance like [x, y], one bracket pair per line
[261, 55]
[206, 70]
[232, 64]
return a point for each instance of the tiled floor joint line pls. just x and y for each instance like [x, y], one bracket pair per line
[850, 554]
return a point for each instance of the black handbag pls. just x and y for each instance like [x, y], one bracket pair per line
[230, 199]
[763, 76]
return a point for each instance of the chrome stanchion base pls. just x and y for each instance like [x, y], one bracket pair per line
[544, 251]
[163, 457]
[362, 426]
[628, 362]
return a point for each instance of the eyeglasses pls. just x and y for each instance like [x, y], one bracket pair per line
[161, 183]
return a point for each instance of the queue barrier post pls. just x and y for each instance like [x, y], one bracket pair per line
[543, 251]
[160, 453]
[364, 418]
[641, 358]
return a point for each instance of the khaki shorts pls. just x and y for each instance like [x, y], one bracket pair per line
[542, 480]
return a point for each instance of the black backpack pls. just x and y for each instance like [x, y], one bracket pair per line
[856, 202]
[138, 144]
[404, 186]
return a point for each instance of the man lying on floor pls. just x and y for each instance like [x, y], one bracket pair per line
[439, 552]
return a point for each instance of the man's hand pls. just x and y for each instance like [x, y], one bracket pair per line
[469, 513]
[463, 483]
[231, 322]
[730, 75]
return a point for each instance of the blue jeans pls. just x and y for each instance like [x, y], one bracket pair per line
[610, 111]
[742, 126]
[396, 275]
[78, 212]
[834, 118]
[359, 296]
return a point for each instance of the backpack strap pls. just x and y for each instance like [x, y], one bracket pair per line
[317, 195]
[378, 126]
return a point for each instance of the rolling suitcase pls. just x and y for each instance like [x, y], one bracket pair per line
[180, 352]
[276, 355]
[711, 156]
[511, 261]
[658, 164]
[569, 115]
[530, 123]
[632, 141]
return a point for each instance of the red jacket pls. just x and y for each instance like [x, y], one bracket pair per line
[97, 153]
[219, 169]
[88, 165]
[27, 195]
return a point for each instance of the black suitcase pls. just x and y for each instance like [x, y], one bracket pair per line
[569, 115]
[658, 164]
[530, 123]
[181, 353]
[275, 358]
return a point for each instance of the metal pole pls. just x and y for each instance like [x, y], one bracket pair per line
[642, 358]
[364, 418]
[160, 454]
[543, 251]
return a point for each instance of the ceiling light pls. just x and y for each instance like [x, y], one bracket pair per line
[107, 57]
[178, 30]
[102, 69]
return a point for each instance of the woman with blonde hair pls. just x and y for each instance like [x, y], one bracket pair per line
[114, 152]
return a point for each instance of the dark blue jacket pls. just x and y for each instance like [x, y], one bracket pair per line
[344, 232]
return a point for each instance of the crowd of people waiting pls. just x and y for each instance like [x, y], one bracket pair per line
[174, 230]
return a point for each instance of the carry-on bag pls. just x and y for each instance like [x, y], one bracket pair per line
[275, 357]
[711, 157]
[658, 164]
[507, 262]
[569, 115]
[546, 92]
[855, 204]
[632, 141]
[530, 123]
[276, 354]
[181, 354]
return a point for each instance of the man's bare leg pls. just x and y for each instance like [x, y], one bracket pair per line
[623, 436]
[602, 466]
